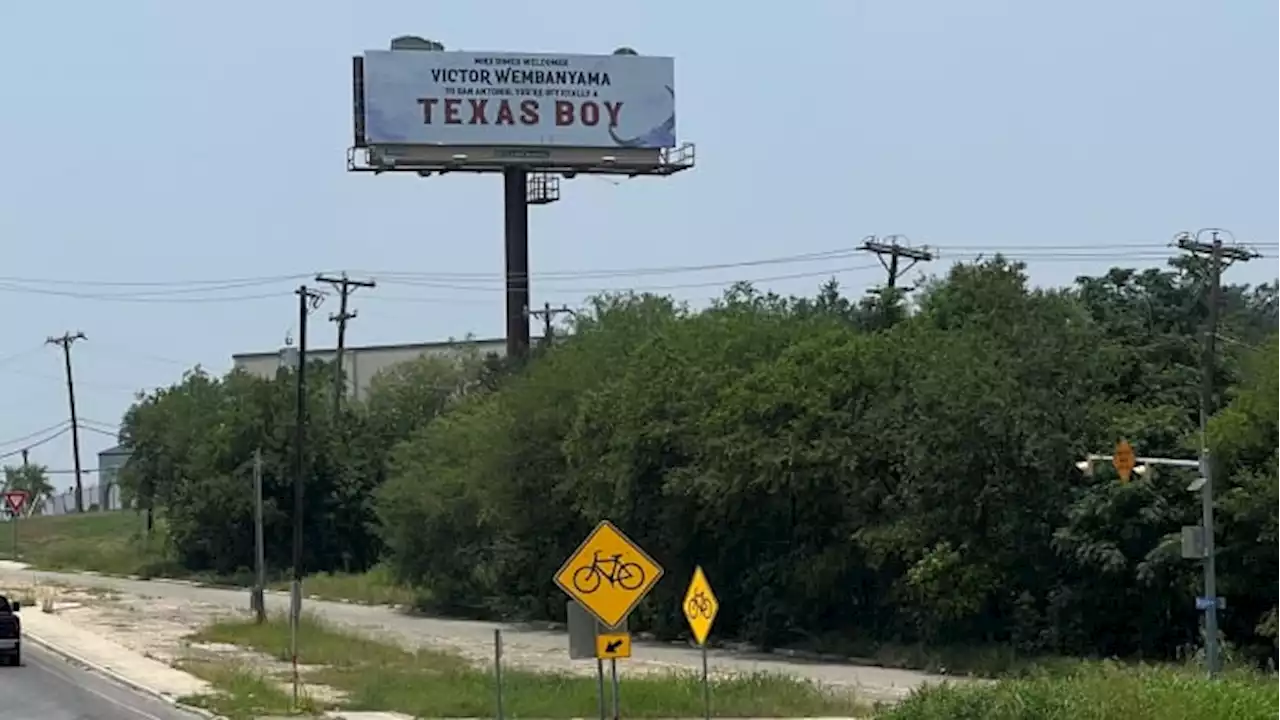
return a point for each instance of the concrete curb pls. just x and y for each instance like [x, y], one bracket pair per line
[72, 657]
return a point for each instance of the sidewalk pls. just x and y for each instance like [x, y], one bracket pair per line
[109, 658]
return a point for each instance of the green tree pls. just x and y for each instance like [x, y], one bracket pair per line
[34, 480]
[888, 469]
[193, 446]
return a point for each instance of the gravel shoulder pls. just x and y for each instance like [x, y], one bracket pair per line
[153, 617]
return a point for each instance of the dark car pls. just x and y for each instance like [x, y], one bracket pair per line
[10, 631]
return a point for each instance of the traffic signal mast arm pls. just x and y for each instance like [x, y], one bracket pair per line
[1173, 462]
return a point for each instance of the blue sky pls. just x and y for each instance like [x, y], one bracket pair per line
[175, 142]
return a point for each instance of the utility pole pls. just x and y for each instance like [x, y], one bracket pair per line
[258, 599]
[892, 247]
[1215, 257]
[308, 300]
[548, 315]
[65, 342]
[345, 286]
[31, 501]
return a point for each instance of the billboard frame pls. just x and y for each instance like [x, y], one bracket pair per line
[425, 160]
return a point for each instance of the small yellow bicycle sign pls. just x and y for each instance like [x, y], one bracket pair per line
[700, 606]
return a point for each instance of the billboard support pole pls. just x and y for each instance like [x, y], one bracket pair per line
[515, 186]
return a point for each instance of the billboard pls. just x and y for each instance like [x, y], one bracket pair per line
[414, 97]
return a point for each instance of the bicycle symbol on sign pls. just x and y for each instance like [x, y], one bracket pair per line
[626, 575]
[698, 605]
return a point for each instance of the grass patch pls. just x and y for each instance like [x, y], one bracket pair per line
[986, 661]
[379, 676]
[375, 587]
[1099, 691]
[113, 542]
[242, 695]
[109, 542]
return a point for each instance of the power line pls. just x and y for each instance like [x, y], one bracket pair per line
[125, 350]
[100, 431]
[136, 297]
[190, 286]
[476, 284]
[202, 291]
[819, 256]
[91, 384]
[232, 281]
[675, 286]
[14, 441]
[181, 287]
[36, 444]
[21, 354]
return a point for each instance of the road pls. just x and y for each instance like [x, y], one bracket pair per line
[533, 649]
[46, 687]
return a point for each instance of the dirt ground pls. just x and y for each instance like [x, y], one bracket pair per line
[155, 627]
[158, 628]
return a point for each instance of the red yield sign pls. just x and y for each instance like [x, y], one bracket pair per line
[16, 500]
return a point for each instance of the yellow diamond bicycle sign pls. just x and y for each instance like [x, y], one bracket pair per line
[700, 606]
[608, 574]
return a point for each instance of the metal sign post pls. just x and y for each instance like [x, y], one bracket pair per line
[706, 686]
[295, 617]
[497, 669]
[613, 645]
[600, 686]
[613, 670]
[589, 639]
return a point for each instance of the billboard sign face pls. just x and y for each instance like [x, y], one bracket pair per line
[516, 99]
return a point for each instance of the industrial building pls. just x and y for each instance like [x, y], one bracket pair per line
[110, 462]
[361, 363]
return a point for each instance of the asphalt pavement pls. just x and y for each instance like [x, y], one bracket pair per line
[46, 687]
